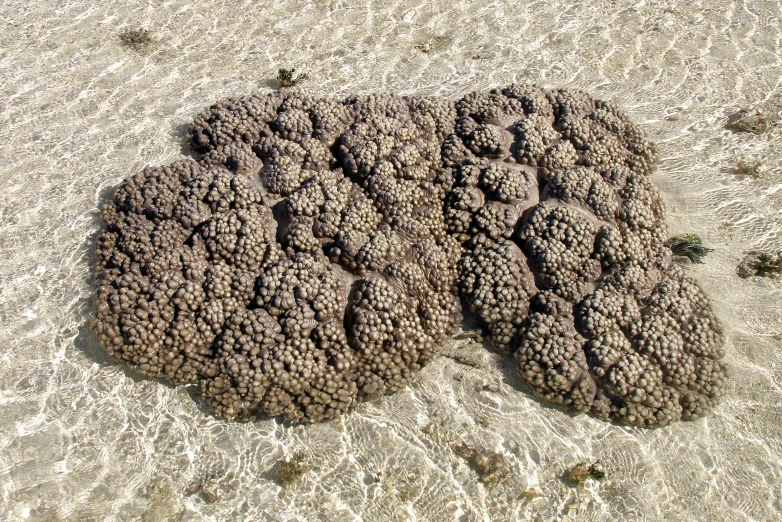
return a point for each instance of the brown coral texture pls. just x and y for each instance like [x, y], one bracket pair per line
[321, 251]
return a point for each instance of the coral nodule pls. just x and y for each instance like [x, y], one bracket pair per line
[320, 252]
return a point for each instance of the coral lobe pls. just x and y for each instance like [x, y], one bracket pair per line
[320, 252]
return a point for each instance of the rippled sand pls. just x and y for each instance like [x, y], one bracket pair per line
[80, 439]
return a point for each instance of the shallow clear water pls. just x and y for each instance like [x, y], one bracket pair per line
[80, 439]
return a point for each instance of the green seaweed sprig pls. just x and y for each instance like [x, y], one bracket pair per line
[752, 169]
[136, 38]
[762, 264]
[582, 472]
[289, 78]
[689, 246]
[293, 468]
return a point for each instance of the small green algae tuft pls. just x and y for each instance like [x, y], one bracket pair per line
[751, 169]
[583, 471]
[136, 38]
[293, 468]
[289, 78]
[763, 264]
[689, 246]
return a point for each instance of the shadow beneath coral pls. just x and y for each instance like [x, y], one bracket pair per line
[511, 377]
[180, 134]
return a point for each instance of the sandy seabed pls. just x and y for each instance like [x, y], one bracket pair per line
[81, 439]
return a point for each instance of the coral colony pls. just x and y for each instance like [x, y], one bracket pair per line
[320, 252]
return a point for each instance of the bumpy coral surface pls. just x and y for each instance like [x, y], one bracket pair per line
[320, 252]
